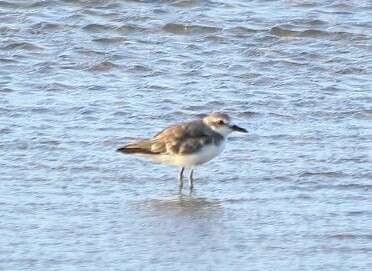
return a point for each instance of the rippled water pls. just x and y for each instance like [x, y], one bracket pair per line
[80, 78]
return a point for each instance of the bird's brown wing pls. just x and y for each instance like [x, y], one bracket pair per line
[139, 147]
[183, 138]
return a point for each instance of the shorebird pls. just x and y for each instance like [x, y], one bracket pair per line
[187, 144]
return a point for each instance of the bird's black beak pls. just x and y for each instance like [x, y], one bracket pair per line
[238, 129]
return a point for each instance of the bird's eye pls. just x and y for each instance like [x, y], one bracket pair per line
[221, 122]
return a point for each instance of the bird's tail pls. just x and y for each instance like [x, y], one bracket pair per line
[141, 147]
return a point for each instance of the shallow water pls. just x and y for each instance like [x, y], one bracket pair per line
[80, 78]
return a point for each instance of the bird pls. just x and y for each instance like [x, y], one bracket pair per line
[188, 144]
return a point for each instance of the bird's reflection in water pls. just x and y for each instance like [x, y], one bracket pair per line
[182, 220]
[184, 205]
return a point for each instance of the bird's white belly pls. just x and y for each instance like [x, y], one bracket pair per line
[206, 154]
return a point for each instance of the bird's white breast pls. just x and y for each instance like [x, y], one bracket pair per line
[205, 154]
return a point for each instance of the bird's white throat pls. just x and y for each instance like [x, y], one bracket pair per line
[223, 130]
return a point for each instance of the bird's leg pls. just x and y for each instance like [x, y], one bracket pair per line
[180, 177]
[191, 179]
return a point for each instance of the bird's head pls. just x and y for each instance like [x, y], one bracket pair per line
[221, 123]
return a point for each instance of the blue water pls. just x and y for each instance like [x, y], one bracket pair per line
[80, 78]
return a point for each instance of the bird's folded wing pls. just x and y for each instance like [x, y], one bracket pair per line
[180, 139]
[186, 145]
[139, 147]
[186, 138]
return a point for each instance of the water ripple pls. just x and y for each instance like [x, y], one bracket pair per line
[189, 29]
[22, 46]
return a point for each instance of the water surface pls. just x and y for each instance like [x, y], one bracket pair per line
[80, 78]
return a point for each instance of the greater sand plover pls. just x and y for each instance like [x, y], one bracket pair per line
[187, 144]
